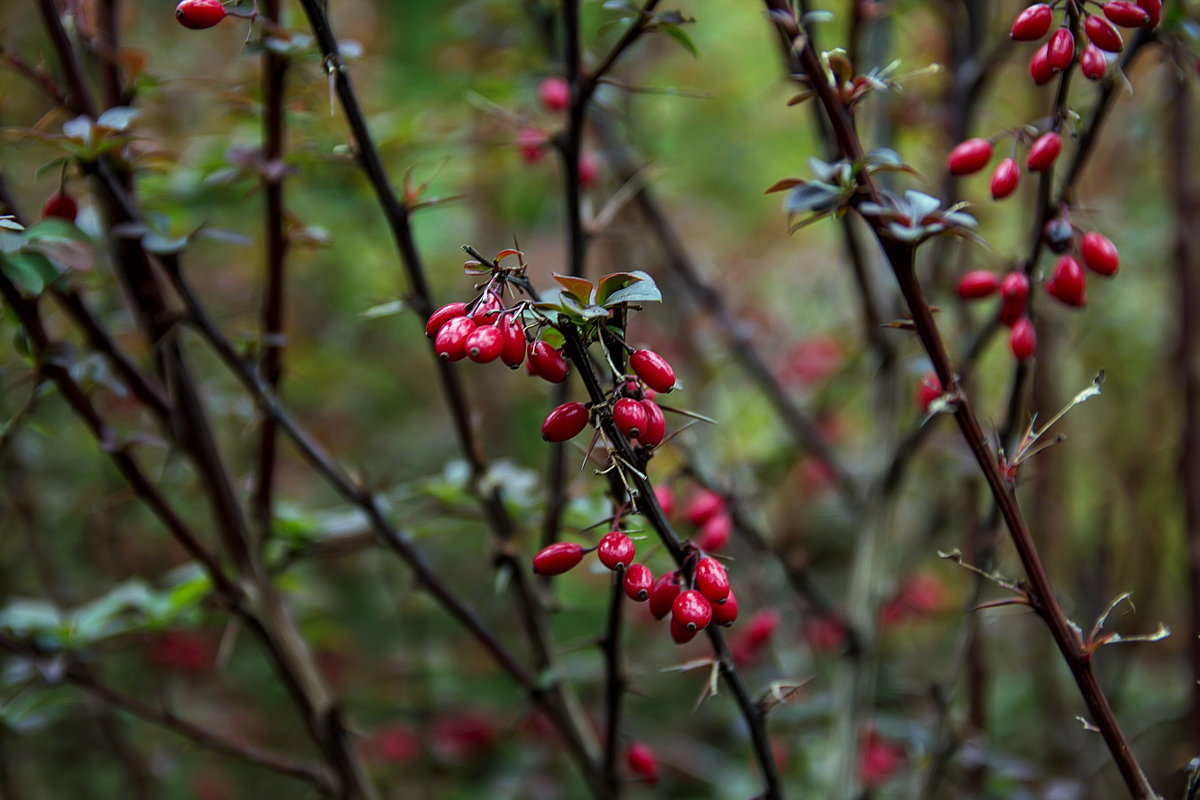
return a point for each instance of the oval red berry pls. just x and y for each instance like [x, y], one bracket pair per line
[554, 94]
[1092, 63]
[1060, 49]
[443, 315]
[1102, 34]
[638, 582]
[565, 422]
[1005, 178]
[547, 363]
[725, 612]
[643, 762]
[1039, 65]
[629, 416]
[1126, 14]
[61, 205]
[711, 580]
[451, 340]
[653, 369]
[199, 14]
[1067, 282]
[977, 284]
[484, 344]
[1099, 254]
[513, 351]
[703, 506]
[692, 610]
[557, 558]
[616, 549]
[714, 535]
[656, 424]
[1022, 339]
[1033, 23]
[1044, 151]
[969, 157]
[663, 594]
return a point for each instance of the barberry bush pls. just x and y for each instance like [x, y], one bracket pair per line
[620, 399]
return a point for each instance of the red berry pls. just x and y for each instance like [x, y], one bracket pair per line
[484, 344]
[977, 283]
[1044, 151]
[61, 205]
[1154, 9]
[199, 14]
[714, 535]
[692, 610]
[629, 416]
[725, 613]
[1014, 292]
[565, 422]
[638, 581]
[711, 580]
[643, 762]
[1103, 34]
[969, 157]
[487, 309]
[681, 633]
[1126, 14]
[443, 315]
[1067, 283]
[928, 390]
[761, 627]
[589, 168]
[451, 340]
[513, 351]
[1022, 339]
[703, 506]
[663, 594]
[1092, 63]
[1005, 178]
[654, 370]
[656, 424]
[532, 144]
[665, 498]
[546, 362]
[615, 548]
[554, 94]
[1099, 254]
[1033, 23]
[1039, 65]
[1061, 49]
[557, 558]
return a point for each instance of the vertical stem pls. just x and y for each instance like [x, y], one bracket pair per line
[614, 688]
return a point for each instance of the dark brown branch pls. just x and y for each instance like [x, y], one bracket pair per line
[614, 681]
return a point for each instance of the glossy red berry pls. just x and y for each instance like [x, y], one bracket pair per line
[969, 157]
[711, 580]
[714, 534]
[663, 594]
[629, 416]
[653, 369]
[546, 362]
[557, 558]
[692, 610]
[642, 762]
[1005, 178]
[1022, 339]
[1126, 14]
[656, 424]
[928, 389]
[1154, 9]
[451, 340]
[484, 344]
[1044, 151]
[532, 144]
[1099, 254]
[1033, 23]
[977, 284]
[1067, 283]
[681, 633]
[1039, 65]
[61, 205]
[512, 353]
[554, 94]
[487, 310]
[703, 506]
[1102, 33]
[616, 549]
[1060, 49]
[725, 613]
[1014, 293]
[1092, 63]
[638, 582]
[443, 315]
[199, 14]
[565, 422]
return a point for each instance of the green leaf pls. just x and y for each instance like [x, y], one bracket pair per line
[579, 288]
[680, 35]
[30, 271]
[25, 617]
[387, 309]
[55, 229]
[812, 196]
[627, 287]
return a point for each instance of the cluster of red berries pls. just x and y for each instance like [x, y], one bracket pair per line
[634, 412]
[1100, 31]
[554, 95]
[974, 154]
[199, 14]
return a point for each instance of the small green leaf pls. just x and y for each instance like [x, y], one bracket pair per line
[55, 229]
[384, 309]
[579, 288]
[627, 287]
[678, 34]
[30, 271]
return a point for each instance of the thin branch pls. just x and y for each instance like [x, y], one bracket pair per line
[614, 680]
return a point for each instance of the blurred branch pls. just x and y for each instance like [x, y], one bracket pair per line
[614, 680]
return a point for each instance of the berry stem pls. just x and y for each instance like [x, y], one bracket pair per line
[615, 680]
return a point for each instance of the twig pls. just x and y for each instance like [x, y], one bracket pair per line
[614, 683]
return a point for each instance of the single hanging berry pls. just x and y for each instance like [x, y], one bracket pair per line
[547, 363]
[969, 157]
[1033, 23]
[692, 610]
[711, 580]
[616, 549]
[663, 594]
[1153, 8]
[199, 14]
[653, 369]
[703, 506]
[1005, 178]
[1022, 339]
[565, 422]
[1060, 49]
[681, 633]
[1039, 65]
[557, 558]
[1102, 34]
[714, 534]
[725, 613]
[1092, 63]
[1067, 283]
[532, 144]
[1014, 293]
[554, 94]
[61, 205]
[977, 284]
[638, 582]
[443, 315]
[656, 424]
[629, 416]
[1044, 151]
[484, 344]
[1099, 254]
[642, 762]
[513, 351]
[487, 309]
[1126, 14]
[451, 340]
